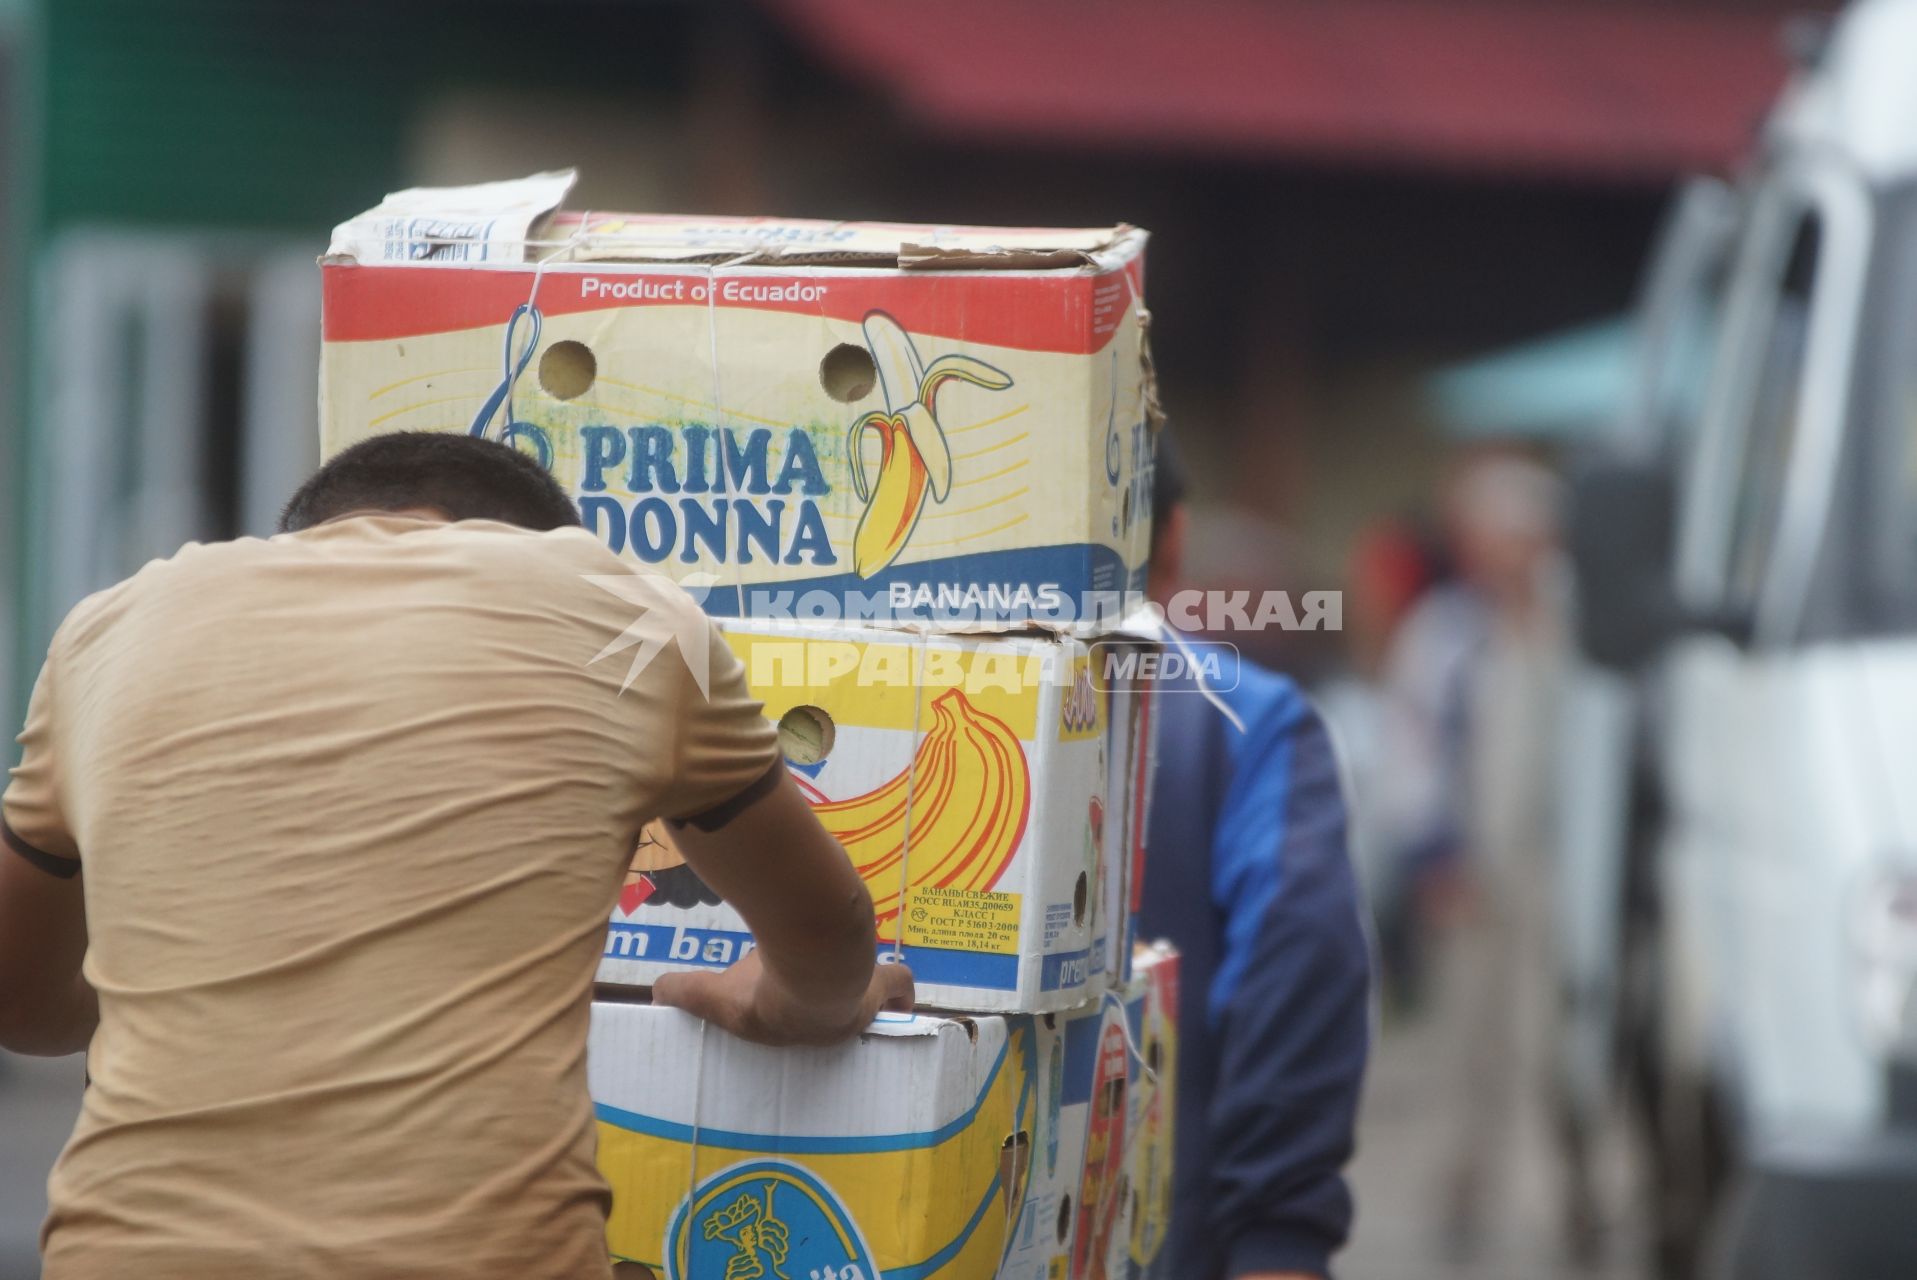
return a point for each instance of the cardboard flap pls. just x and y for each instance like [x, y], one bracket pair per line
[661, 238]
[905, 1025]
[520, 220]
[932, 257]
[487, 222]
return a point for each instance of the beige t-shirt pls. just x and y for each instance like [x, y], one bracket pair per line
[352, 808]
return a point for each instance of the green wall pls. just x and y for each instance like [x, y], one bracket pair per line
[271, 115]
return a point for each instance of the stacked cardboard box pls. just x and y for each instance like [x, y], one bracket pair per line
[908, 470]
[1027, 1147]
[986, 788]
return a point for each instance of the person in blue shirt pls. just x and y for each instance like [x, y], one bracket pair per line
[1247, 873]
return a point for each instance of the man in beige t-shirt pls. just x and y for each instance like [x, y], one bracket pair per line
[349, 808]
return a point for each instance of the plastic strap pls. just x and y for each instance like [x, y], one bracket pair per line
[1103, 1220]
[920, 654]
[712, 271]
[698, 1107]
[515, 364]
[1167, 631]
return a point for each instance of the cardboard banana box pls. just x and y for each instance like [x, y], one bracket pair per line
[967, 779]
[933, 1148]
[1149, 1145]
[1099, 1196]
[935, 424]
[1131, 760]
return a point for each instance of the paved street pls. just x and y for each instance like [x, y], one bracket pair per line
[1407, 1134]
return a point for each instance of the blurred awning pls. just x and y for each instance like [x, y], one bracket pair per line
[1565, 385]
[1574, 87]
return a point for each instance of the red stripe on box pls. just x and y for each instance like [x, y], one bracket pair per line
[1025, 312]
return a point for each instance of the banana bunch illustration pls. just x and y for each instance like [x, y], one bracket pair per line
[914, 460]
[971, 794]
[970, 798]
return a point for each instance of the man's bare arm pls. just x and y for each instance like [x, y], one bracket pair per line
[46, 1007]
[812, 978]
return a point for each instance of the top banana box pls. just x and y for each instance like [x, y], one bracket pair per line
[871, 422]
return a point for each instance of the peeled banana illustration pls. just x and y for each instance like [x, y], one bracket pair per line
[914, 460]
[971, 794]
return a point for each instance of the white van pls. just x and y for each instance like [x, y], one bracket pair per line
[1755, 574]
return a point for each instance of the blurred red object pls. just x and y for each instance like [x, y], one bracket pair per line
[1393, 566]
[1552, 86]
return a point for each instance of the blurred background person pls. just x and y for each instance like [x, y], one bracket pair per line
[1248, 874]
[1394, 710]
[1507, 512]
[1473, 681]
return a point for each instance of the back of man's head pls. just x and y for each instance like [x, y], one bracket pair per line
[1170, 483]
[464, 477]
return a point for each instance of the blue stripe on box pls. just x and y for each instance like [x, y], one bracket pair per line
[680, 945]
[1081, 1055]
[1135, 1019]
[801, 1144]
[960, 968]
[1073, 568]
[1066, 969]
[643, 942]
[1021, 1119]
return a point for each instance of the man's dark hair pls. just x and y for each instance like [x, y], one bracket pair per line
[461, 475]
[1169, 480]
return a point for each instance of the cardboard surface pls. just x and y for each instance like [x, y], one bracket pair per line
[967, 778]
[1130, 760]
[946, 423]
[1024, 1147]
[1154, 1111]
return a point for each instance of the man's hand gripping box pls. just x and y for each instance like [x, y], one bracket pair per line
[947, 425]
[933, 1148]
[967, 779]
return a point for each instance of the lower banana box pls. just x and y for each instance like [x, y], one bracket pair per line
[977, 784]
[1149, 1142]
[1023, 1147]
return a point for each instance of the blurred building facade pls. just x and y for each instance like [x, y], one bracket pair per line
[1344, 193]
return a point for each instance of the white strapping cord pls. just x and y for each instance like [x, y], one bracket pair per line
[1103, 1220]
[1167, 631]
[921, 652]
[574, 241]
[692, 1160]
[516, 361]
[712, 270]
